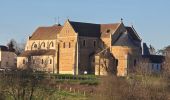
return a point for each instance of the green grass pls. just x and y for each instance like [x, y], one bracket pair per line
[61, 95]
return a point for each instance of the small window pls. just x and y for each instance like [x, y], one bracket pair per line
[94, 43]
[108, 30]
[23, 61]
[35, 45]
[84, 43]
[116, 62]
[69, 45]
[51, 44]
[64, 45]
[50, 61]
[43, 44]
[135, 62]
[42, 61]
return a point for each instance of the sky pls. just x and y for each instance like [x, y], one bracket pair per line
[150, 18]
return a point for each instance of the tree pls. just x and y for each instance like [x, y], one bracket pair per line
[18, 48]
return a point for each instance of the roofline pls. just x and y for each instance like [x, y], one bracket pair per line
[136, 33]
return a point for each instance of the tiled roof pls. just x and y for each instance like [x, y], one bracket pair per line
[107, 29]
[46, 33]
[37, 53]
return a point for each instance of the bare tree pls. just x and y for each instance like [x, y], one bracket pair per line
[18, 48]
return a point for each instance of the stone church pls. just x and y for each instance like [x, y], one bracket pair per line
[78, 47]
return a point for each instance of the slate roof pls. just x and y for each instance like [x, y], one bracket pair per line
[154, 58]
[145, 49]
[86, 29]
[37, 53]
[94, 30]
[46, 33]
[134, 35]
[3, 48]
[125, 40]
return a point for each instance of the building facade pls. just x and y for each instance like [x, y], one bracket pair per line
[8, 59]
[78, 47]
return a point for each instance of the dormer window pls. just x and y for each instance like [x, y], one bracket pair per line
[108, 31]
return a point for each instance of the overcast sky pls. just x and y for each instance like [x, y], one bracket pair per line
[151, 18]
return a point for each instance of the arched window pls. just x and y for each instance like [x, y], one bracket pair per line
[51, 44]
[69, 45]
[35, 46]
[43, 44]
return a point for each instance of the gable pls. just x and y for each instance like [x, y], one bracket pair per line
[67, 30]
[131, 37]
[118, 32]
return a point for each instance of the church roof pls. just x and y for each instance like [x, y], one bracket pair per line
[86, 29]
[37, 53]
[125, 39]
[133, 33]
[94, 30]
[46, 33]
[107, 29]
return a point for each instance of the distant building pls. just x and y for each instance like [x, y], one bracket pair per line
[77, 47]
[7, 58]
[152, 63]
[166, 51]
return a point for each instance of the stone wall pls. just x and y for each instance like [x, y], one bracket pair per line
[127, 57]
[8, 59]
